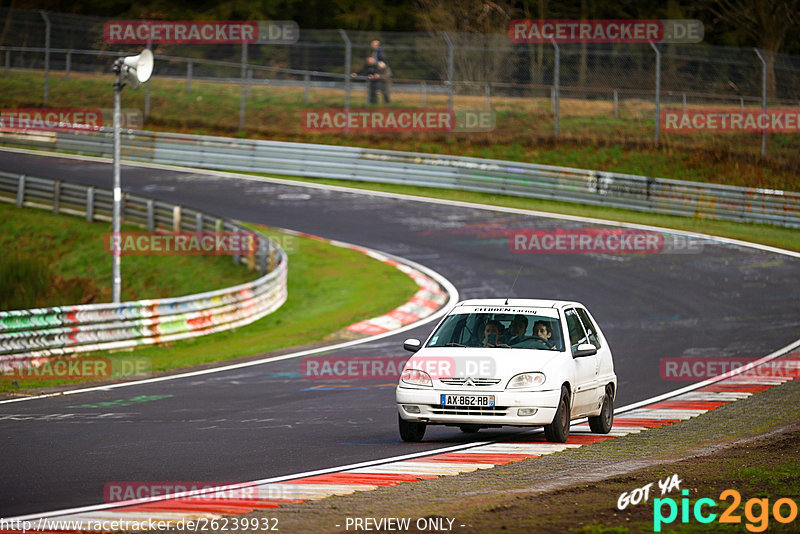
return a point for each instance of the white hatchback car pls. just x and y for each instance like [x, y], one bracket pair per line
[516, 362]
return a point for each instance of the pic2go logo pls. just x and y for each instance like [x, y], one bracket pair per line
[757, 521]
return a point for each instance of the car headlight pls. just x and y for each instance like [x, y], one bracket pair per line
[415, 377]
[526, 380]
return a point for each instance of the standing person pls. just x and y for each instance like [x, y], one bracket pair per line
[370, 70]
[384, 81]
[377, 51]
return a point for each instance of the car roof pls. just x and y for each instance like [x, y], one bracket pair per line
[516, 302]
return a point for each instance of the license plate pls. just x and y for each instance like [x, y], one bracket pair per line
[467, 400]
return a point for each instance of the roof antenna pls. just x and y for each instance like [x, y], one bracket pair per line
[512, 285]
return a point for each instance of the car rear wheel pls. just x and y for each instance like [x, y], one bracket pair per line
[469, 429]
[558, 430]
[411, 431]
[601, 424]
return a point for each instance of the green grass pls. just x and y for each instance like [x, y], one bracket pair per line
[61, 260]
[329, 289]
[776, 236]
[590, 137]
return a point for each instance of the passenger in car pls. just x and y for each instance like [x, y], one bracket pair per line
[517, 328]
[491, 333]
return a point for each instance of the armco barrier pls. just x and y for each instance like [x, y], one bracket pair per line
[69, 329]
[642, 193]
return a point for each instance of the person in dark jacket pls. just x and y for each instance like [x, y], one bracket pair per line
[372, 72]
[377, 51]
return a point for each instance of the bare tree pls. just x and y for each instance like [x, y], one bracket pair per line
[473, 22]
[766, 22]
[7, 24]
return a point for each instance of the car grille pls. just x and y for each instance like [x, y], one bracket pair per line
[473, 381]
[495, 411]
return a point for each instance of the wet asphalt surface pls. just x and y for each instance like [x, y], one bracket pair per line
[267, 420]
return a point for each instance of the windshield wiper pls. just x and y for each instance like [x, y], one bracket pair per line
[455, 345]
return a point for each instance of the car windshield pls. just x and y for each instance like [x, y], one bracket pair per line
[514, 328]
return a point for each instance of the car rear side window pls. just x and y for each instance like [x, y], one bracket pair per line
[591, 329]
[576, 333]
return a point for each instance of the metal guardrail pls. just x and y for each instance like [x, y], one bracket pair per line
[641, 193]
[65, 330]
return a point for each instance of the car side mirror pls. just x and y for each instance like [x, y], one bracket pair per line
[412, 345]
[584, 349]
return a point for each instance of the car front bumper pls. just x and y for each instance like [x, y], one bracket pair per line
[506, 410]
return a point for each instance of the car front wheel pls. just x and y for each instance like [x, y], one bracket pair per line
[601, 424]
[558, 430]
[411, 431]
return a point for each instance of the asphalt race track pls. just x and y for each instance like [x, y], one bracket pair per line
[267, 420]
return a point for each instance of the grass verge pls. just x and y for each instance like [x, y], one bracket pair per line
[52, 260]
[590, 136]
[329, 288]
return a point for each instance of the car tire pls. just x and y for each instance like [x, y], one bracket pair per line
[411, 431]
[469, 429]
[558, 430]
[601, 424]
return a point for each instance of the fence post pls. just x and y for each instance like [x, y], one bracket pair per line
[424, 93]
[189, 69]
[348, 47]
[450, 70]
[306, 83]
[151, 216]
[68, 64]
[56, 195]
[684, 103]
[90, 204]
[198, 221]
[21, 191]
[263, 255]
[616, 105]
[243, 80]
[658, 90]
[556, 88]
[46, 55]
[763, 98]
[176, 218]
[488, 96]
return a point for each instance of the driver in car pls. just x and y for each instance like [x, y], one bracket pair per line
[542, 332]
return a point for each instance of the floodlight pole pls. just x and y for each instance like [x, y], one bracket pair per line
[143, 61]
[116, 251]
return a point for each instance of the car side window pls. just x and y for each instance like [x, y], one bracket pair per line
[591, 329]
[576, 333]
